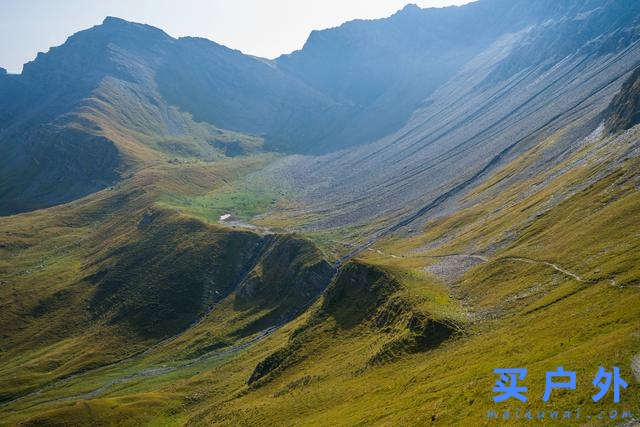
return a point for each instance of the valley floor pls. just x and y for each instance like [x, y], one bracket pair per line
[135, 305]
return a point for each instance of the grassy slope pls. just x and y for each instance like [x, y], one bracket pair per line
[529, 314]
[509, 313]
[60, 266]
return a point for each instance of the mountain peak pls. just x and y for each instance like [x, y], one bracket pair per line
[410, 7]
[115, 24]
[114, 20]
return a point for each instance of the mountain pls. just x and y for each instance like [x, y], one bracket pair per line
[356, 233]
[136, 95]
[560, 70]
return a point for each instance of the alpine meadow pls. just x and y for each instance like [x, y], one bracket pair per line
[364, 231]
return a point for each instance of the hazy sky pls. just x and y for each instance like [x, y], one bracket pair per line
[260, 27]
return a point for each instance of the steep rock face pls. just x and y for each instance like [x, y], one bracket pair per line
[624, 110]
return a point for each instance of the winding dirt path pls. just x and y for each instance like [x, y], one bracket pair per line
[549, 264]
[515, 258]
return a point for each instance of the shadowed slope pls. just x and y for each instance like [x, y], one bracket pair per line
[624, 110]
[121, 96]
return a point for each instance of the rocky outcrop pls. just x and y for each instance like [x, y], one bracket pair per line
[361, 297]
[289, 276]
[624, 110]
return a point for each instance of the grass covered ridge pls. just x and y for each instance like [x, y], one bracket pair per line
[392, 340]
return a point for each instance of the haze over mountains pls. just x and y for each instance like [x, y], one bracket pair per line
[455, 80]
[357, 232]
[556, 65]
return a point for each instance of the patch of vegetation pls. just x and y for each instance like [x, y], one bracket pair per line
[243, 198]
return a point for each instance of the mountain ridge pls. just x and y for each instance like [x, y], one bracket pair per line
[383, 71]
[201, 264]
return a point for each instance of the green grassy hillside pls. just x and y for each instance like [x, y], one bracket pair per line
[408, 333]
[103, 278]
[191, 278]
